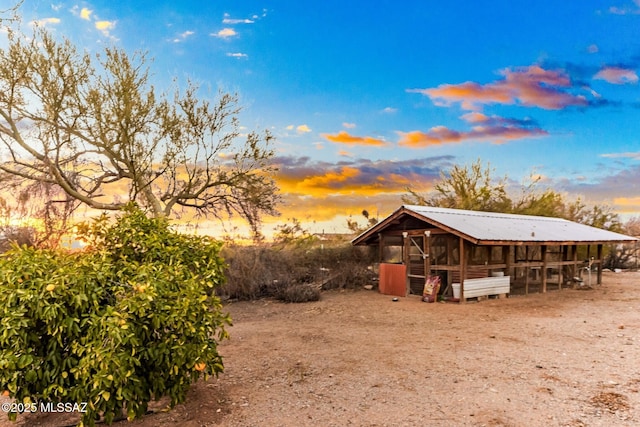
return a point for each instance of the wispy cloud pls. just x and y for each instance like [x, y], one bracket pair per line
[530, 86]
[627, 155]
[232, 21]
[238, 55]
[609, 186]
[617, 75]
[225, 33]
[496, 129]
[389, 110]
[45, 21]
[628, 9]
[183, 36]
[349, 125]
[343, 137]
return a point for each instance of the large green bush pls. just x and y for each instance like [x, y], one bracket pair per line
[132, 318]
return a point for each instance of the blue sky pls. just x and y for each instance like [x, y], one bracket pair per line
[367, 98]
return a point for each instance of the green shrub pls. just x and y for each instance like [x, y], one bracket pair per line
[132, 318]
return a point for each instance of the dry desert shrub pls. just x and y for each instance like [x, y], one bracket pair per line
[299, 293]
[273, 271]
[612, 402]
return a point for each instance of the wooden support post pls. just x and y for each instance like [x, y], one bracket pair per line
[406, 259]
[565, 255]
[506, 254]
[426, 250]
[600, 264]
[574, 250]
[449, 241]
[381, 247]
[527, 270]
[463, 261]
[544, 268]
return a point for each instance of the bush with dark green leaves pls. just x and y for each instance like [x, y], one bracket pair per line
[131, 318]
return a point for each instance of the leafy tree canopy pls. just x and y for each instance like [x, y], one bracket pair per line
[472, 187]
[95, 126]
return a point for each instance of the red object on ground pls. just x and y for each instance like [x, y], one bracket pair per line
[393, 280]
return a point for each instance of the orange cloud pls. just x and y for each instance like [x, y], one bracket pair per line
[497, 129]
[475, 117]
[331, 179]
[628, 203]
[225, 33]
[326, 199]
[437, 135]
[528, 86]
[300, 178]
[343, 137]
[617, 75]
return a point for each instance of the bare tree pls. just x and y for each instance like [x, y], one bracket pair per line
[97, 128]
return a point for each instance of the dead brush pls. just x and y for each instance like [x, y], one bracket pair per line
[299, 293]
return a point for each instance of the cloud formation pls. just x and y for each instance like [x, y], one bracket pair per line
[612, 185]
[300, 129]
[86, 14]
[183, 36]
[225, 33]
[366, 178]
[105, 26]
[530, 86]
[328, 191]
[343, 137]
[626, 10]
[627, 155]
[494, 128]
[44, 22]
[231, 21]
[617, 75]
[237, 54]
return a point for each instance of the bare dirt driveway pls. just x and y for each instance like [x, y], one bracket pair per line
[564, 358]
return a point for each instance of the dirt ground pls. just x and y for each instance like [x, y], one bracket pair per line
[564, 358]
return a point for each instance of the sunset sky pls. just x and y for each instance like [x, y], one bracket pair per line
[366, 98]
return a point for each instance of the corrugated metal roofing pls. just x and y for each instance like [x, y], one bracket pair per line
[491, 226]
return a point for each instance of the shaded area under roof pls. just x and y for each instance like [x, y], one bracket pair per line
[497, 228]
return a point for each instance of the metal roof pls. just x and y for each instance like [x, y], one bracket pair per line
[492, 227]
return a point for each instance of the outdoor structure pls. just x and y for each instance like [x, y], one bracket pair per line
[484, 253]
